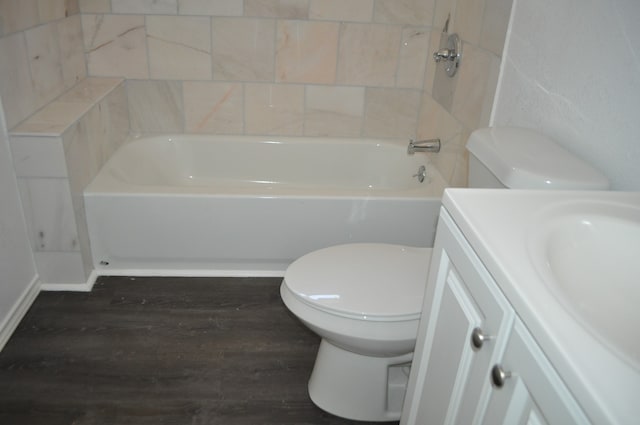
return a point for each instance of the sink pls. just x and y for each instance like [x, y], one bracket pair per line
[588, 255]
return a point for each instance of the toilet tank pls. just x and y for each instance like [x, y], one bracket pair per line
[520, 158]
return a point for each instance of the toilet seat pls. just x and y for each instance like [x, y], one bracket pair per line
[365, 281]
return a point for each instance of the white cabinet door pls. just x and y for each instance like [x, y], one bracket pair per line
[532, 392]
[448, 373]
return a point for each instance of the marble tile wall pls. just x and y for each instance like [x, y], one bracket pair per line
[271, 67]
[357, 68]
[41, 54]
[451, 108]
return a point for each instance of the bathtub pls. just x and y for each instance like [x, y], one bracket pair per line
[249, 206]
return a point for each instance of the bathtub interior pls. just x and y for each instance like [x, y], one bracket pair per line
[143, 224]
[256, 162]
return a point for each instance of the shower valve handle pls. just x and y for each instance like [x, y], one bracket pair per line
[444, 55]
[450, 55]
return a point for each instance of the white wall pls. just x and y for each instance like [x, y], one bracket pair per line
[571, 69]
[18, 278]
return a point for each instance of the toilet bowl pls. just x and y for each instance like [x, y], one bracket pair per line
[365, 300]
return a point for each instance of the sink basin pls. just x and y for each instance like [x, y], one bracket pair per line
[588, 254]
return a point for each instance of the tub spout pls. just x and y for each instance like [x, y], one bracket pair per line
[429, 145]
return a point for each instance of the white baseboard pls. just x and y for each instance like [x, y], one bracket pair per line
[95, 274]
[73, 287]
[20, 308]
[189, 273]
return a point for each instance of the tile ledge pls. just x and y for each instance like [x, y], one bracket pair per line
[57, 116]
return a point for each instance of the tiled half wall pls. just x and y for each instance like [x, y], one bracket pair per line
[56, 153]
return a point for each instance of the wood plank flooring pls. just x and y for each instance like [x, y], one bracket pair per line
[138, 351]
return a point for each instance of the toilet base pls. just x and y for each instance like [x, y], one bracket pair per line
[359, 387]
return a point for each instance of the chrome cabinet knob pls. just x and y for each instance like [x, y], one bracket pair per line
[499, 376]
[478, 339]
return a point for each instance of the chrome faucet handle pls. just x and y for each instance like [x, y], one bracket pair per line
[421, 174]
[450, 55]
[443, 54]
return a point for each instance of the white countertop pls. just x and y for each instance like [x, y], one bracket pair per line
[497, 223]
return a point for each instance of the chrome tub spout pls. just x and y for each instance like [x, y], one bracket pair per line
[429, 145]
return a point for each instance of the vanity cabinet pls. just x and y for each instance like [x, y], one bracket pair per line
[530, 391]
[475, 362]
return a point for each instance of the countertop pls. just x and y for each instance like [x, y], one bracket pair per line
[498, 223]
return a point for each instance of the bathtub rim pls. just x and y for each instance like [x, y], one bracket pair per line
[107, 183]
[395, 141]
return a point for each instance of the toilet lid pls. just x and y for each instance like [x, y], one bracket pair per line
[380, 282]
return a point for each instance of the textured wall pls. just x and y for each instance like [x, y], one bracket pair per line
[17, 269]
[578, 80]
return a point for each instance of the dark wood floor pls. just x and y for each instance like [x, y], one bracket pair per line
[160, 351]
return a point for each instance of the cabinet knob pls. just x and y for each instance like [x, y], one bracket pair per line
[478, 339]
[499, 376]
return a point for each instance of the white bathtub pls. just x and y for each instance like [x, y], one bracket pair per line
[243, 206]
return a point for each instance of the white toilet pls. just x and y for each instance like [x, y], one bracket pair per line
[365, 300]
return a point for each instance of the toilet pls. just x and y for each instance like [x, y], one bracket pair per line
[364, 300]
